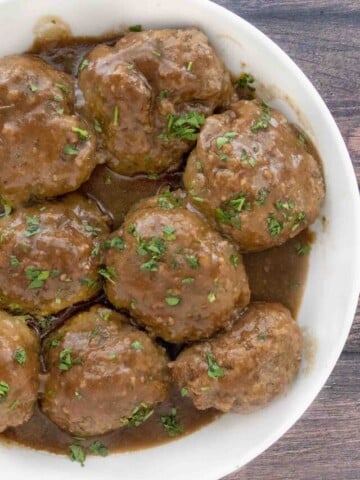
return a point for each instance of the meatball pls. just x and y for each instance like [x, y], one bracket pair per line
[150, 93]
[175, 274]
[246, 367]
[51, 150]
[253, 177]
[19, 371]
[103, 374]
[50, 253]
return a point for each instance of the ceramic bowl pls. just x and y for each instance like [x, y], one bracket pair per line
[333, 283]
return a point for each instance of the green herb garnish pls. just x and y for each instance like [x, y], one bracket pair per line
[214, 370]
[33, 226]
[98, 448]
[77, 454]
[82, 134]
[20, 356]
[139, 415]
[185, 126]
[171, 423]
[71, 150]
[302, 249]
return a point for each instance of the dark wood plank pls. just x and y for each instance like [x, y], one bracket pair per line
[323, 37]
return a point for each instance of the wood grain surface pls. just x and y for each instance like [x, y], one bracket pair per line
[323, 37]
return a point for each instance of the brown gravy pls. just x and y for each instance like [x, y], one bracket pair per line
[278, 275]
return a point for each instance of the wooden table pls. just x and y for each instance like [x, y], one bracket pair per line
[323, 37]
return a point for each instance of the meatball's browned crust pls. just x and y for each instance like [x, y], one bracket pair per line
[243, 369]
[103, 374]
[175, 274]
[45, 150]
[19, 371]
[253, 177]
[150, 93]
[48, 255]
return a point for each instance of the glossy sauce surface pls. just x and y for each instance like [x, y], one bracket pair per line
[278, 274]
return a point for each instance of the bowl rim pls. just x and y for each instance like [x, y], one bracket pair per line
[354, 287]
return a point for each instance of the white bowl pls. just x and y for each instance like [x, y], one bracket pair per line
[334, 280]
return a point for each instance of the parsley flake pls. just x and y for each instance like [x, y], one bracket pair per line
[214, 370]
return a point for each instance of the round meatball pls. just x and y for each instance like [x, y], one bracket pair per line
[243, 369]
[51, 150]
[175, 274]
[103, 374]
[50, 253]
[253, 177]
[19, 371]
[150, 93]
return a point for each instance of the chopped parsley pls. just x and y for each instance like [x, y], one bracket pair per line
[108, 273]
[5, 209]
[116, 116]
[226, 138]
[13, 405]
[14, 261]
[33, 226]
[229, 213]
[135, 28]
[173, 300]
[84, 64]
[36, 276]
[168, 201]
[193, 262]
[214, 370]
[92, 229]
[184, 392]
[82, 134]
[88, 282]
[97, 126]
[262, 196]
[164, 94]
[234, 259]
[115, 242]
[245, 80]
[211, 297]
[77, 454]
[299, 219]
[171, 423]
[71, 150]
[33, 88]
[275, 227]
[63, 88]
[98, 448]
[137, 345]
[189, 66]
[169, 233]
[188, 281]
[246, 159]
[4, 389]
[185, 126]
[20, 356]
[66, 362]
[139, 415]
[284, 205]
[155, 248]
[302, 249]
[264, 122]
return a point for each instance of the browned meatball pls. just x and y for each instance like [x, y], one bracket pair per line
[178, 277]
[19, 371]
[253, 177]
[246, 367]
[103, 374]
[50, 253]
[45, 150]
[150, 94]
